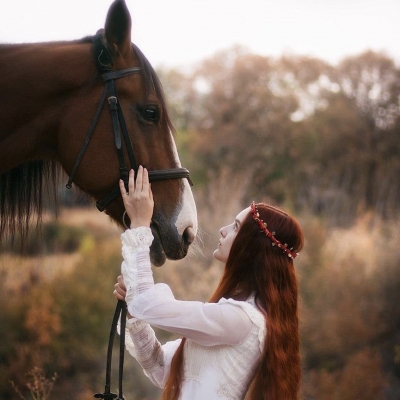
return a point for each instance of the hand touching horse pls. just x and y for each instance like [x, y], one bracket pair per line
[96, 108]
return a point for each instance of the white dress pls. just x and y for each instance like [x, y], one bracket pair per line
[224, 339]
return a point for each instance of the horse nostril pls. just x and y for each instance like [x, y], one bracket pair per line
[188, 235]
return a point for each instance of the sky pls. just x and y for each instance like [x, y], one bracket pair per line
[177, 33]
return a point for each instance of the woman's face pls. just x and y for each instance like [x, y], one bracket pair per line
[228, 234]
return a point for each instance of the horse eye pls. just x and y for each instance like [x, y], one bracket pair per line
[150, 113]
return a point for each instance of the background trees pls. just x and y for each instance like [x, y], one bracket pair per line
[322, 141]
[322, 138]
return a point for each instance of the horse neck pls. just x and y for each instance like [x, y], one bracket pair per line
[35, 81]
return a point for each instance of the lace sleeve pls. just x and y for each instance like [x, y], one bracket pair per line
[142, 344]
[136, 266]
[140, 339]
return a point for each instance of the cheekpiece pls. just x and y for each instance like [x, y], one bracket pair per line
[275, 242]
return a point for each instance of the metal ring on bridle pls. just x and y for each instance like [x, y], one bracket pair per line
[123, 219]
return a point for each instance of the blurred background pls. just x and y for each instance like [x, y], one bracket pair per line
[317, 136]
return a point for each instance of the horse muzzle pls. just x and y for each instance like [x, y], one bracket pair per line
[168, 243]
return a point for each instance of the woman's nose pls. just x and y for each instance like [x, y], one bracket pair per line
[222, 232]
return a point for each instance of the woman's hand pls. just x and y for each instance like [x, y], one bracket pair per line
[120, 289]
[138, 202]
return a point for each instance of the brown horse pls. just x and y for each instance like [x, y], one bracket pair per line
[50, 93]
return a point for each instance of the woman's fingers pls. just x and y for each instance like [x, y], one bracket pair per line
[122, 188]
[120, 289]
[145, 182]
[118, 295]
[121, 282]
[139, 180]
[141, 185]
[138, 202]
[131, 183]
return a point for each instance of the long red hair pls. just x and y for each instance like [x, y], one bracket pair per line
[256, 267]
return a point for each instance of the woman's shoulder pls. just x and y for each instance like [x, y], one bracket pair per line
[249, 306]
[256, 316]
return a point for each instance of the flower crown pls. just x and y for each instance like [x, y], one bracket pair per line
[275, 242]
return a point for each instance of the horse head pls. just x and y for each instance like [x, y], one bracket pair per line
[130, 125]
[143, 110]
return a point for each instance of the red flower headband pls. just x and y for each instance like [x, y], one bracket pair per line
[275, 242]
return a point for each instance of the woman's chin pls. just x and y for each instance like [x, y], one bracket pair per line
[217, 255]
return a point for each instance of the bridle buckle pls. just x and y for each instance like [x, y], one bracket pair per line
[112, 101]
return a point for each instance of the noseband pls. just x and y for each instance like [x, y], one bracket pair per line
[104, 65]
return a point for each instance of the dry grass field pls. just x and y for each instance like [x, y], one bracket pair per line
[348, 283]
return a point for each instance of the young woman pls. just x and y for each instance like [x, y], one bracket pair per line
[244, 343]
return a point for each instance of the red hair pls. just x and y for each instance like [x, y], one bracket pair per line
[254, 266]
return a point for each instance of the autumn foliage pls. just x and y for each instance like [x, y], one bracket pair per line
[322, 141]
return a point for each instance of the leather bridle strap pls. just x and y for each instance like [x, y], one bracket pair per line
[118, 121]
[159, 175]
[107, 76]
[119, 125]
[119, 315]
[87, 139]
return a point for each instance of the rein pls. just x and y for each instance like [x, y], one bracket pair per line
[120, 310]
[104, 65]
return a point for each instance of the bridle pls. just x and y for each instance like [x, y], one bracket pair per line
[104, 65]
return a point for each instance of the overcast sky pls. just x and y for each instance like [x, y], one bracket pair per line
[181, 32]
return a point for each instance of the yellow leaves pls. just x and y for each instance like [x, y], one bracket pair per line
[42, 320]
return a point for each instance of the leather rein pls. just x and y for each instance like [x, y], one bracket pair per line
[104, 65]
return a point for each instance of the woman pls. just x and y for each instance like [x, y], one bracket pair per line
[244, 343]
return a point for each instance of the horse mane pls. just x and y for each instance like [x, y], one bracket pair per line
[22, 188]
[21, 193]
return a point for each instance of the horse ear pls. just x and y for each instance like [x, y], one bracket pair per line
[118, 28]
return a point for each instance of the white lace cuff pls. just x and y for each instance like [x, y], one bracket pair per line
[136, 267]
[140, 237]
